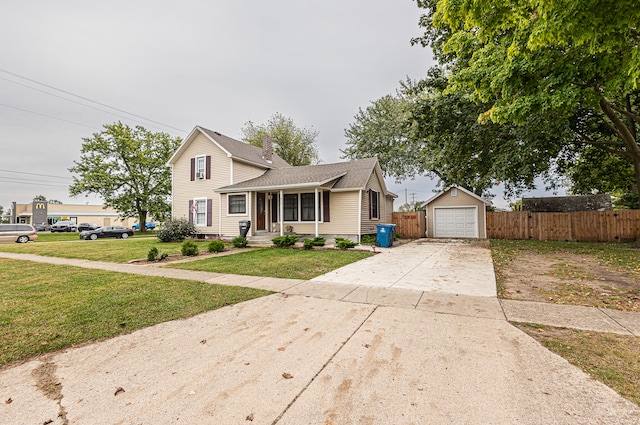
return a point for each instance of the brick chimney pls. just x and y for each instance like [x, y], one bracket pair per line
[267, 148]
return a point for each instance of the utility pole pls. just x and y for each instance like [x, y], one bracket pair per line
[413, 197]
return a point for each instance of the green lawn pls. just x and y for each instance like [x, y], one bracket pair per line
[112, 250]
[45, 307]
[276, 262]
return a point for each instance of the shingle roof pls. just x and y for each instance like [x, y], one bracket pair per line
[349, 175]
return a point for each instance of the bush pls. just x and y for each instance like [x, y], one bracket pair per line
[216, 246]
[177, 230]
[163, 256]
[189, 248]
[368, 240]
[307, 244]
[285, 241]
[343, 243]
[239, 242]
[153, 254]
[310, 243]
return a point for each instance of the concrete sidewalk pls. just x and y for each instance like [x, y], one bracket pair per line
[318, 352]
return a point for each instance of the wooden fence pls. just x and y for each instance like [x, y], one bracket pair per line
[410, 225]
[588, 226]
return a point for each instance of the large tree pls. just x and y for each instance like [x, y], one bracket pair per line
[553, 60]
[422, 131]
[127, 168]
[293, 144]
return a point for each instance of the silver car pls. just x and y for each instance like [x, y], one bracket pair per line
[21, 233]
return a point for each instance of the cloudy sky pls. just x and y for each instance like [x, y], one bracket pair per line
[174, 65]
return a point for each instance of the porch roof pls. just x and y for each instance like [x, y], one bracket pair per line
[344, 175]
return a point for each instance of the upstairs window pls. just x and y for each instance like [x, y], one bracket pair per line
[200, 167]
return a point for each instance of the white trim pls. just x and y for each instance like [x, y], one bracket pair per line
[172, 191]
[277, 187]
[219, 213]
[246, 205]
[359, 215]
[433, 198]
[316, 203]
[319, 217]
[450, 207]
[372, 218]
[204, 168]
[195, 212]
[231, 171]
[281, 208]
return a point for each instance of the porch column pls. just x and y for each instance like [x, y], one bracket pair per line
[281, 212]
[317, 205]
[359, 215]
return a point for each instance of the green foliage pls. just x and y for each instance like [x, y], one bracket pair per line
[368, 240]
[216, 246]
[285, 241]
[343, 243]
[240, 242]
[189, 248]
[176, 230]
[310, 243]
[575, 62]
[162, 256]
[153, 254]
[127, 168]
[294, 145]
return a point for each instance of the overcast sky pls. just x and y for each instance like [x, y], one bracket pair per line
[216, 63]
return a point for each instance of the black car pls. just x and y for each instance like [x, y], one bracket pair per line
[107, 232]
[87, 226]
[63, 226]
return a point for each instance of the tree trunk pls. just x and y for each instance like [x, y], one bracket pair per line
[142, 219]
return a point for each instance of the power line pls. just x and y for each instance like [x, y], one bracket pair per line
[48, 116]
[33, 184]
[89, 100]
[20, 179]
[34, 174]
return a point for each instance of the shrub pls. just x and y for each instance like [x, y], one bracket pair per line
[343, 243]
[189, 248]
[307, 244]
[239, 242]
[310, 243]
[368, 240]
[177, 230]
[216, 246]
[285, 241]
[163, 256]
[152, 255]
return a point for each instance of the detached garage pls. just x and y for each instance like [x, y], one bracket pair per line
[456, 213]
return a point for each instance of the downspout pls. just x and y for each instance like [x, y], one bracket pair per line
[220, 214]
[281, 212]
[317, 209]
[359, 215]
[250, 212]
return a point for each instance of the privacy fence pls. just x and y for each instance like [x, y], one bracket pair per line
[410, 225]
[588, 226]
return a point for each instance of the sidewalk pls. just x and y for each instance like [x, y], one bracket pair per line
[564, 316]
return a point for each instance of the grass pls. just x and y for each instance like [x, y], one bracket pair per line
[111, 250]
[275, 262]
[44, 308]
[610, 358]
[74, 236]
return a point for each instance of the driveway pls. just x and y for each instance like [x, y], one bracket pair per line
[453, 267]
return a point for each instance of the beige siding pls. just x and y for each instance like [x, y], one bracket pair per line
[230, 227]
[343, 209]
[461, 200]
[185, 190]
[369, 225]
[243, 172]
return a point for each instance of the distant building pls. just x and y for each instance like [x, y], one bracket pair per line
[600, 202]
[43, 212]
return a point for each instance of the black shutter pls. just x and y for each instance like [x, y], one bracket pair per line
[208, 167]
[209, 211]
[274, 208]
[193, 169]
[370, 205]
[190, 213]
[326, 213]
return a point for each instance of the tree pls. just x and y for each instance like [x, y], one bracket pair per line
[294, 145]
[424, 131]
[554, 60]
[126, 166]
[39, 198]
[2, 215]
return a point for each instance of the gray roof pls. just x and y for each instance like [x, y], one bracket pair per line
[238, 150]
[347, 175]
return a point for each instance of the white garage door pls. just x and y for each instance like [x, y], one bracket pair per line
[455, 222]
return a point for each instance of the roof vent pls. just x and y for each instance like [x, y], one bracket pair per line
[267, 148]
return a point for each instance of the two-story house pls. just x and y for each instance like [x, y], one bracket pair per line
[218, 181]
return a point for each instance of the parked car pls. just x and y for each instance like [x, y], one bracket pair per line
[87, 226]
[41, 227]
[148, 225]
[21, 233]
[107, 232]
[63, 226]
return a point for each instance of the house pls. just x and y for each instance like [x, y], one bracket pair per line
[43, 212]
[218, 181]
[456, 213]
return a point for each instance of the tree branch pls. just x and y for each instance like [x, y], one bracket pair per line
[627, 114]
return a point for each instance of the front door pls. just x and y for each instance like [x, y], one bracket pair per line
[261, 213]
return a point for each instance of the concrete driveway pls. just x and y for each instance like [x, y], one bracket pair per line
[453, 267]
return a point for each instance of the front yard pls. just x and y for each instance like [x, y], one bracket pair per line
[589, 274]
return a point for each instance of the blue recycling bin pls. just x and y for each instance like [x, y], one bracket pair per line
[385, 234]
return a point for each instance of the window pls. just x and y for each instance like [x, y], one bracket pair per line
[291, 207]
[200, 207]
[200, 167]
[374, 204]
[307, 207]
[238, 204]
